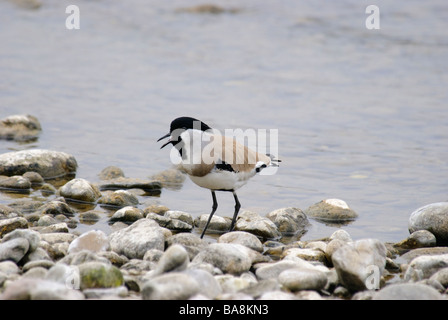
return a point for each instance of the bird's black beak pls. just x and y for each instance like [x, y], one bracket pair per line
[165, 136]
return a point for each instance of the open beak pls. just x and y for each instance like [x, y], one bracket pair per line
[165, 136]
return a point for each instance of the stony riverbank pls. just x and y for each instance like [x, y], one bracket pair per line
[156, 253]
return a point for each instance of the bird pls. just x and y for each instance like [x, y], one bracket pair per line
[214, 161]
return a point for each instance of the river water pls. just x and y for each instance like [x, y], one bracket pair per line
[362, 115]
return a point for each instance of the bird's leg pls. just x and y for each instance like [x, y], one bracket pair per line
[237, 209]
[214, 207]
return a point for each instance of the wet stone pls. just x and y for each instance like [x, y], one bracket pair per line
[260, 226]
[8, 225]
[119, 198]
[127, 214]
[331, 210]
[289, 220]
[80, 190]
[433, 218]
[111, 172]
[15, 183]
[49, 164]
[22, 127]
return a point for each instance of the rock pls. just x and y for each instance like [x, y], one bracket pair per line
[33, 177]
[356, 262]
[412, 254]
[39, 289]
[272, 270]
[46, 264]
[93, 240]
[173, 220]
[229, 258]
[296, 279]
[418, 239]
[139, 237]
[170, 178]
[289, 221]
[64, 274]
[210, 287]
[31, 236]
[155, 208]
[341, 235]
[331, 210]
[14, 249]
[80, 190]
[46, 220]
[408, 291]
[170, 286]
[218, 223]
[424, 267]
[8, 225]
[111, 172]
[191, 242]
[57, 227]
[106, 293]
[56, 207]
[35, 273]
[331, 248]
[119, 198]
[243, 238]
[180, 215]
[49, 164]
[20, 128]
[99, 275]
[306, 254]
[233, 284]
[57, 237]
[9, 268]
[15, 183]
[80, 257]
[277, 295]
[90, 217]
[432, 217]
[127, 214]
[263, 227]
[441, 276]
[151, 187]
[174, 259]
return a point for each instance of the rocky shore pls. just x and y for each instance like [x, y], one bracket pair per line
[156, 253]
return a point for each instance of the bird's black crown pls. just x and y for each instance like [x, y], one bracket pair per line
[188, 123]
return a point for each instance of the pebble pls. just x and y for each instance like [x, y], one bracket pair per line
[407, 291]
[15, 184]
[418, 239]
[8, 225]
[93, 240]
[111, 172]
[355, 262]
[174, 259]
[48, 163]
[127, 214]
[134, 240]
[244, 238]
[289, 221]
[218, 223]
[260, 226]
[425, 266]
[331, 210]
[119, 198]
[20, 127]
[191, 242]
[170, 286]
[151, 187]
[296, 279]
[80, 190]
[433, 218]
[39, 289]
[14, 249]
[97, 274]
[229, 258]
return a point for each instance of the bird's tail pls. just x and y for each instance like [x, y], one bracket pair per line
[274, 161]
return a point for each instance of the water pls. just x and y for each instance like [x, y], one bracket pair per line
[362, 114]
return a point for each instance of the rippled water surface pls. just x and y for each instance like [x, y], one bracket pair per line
[362, 114]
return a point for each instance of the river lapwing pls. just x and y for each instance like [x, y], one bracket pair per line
[214, 161]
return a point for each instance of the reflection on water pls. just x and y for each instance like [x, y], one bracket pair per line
[361, 113]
